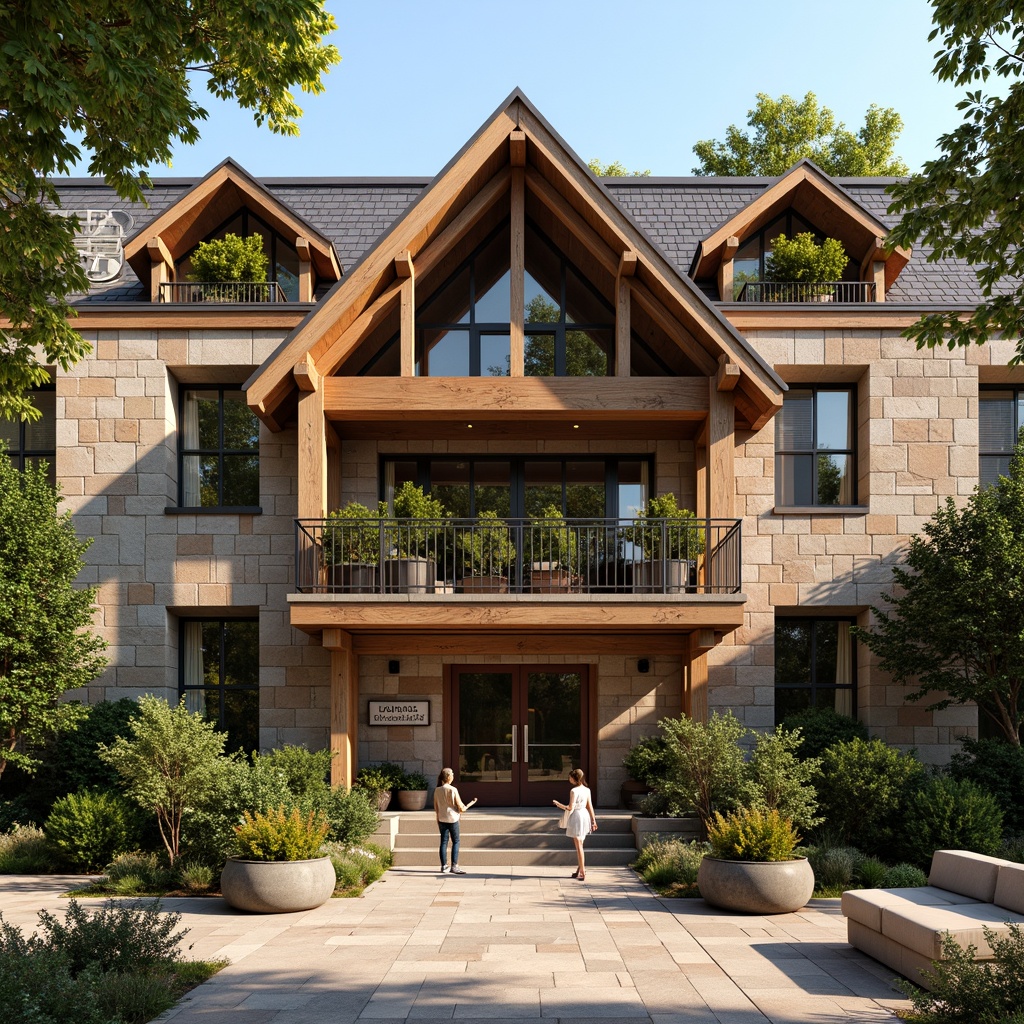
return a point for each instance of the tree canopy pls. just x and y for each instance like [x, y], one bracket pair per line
[615, 169]
[954, 627]
[46, 643]
[114, 81]
[786, 131]
[966, 202]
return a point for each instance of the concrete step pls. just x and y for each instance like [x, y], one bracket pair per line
[481, 858]
[521, 821]
[514, 840]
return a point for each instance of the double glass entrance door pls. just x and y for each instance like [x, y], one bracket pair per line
[517, 732]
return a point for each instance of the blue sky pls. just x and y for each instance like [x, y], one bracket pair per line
[638, 81]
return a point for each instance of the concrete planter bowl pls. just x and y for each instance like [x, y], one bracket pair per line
[277, 886]
[756, 887]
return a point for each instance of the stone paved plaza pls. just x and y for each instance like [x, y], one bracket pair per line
[514, 944]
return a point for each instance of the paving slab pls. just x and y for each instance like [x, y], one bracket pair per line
[507, 945]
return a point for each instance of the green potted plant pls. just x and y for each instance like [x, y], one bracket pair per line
[223, 264]
[554, 549]
[379, 780]
[351, 548]
[277, 867]
[646, 763]
[486, 552]
[412, 791]
[802, 262]
[752, 866]
[670, 541]
[414, 538]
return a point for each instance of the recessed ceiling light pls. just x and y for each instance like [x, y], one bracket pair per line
[469, 426]
[575, 426]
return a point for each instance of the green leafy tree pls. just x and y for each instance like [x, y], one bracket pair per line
[230, 258]
[783, 781]
[801, 258]
[954, 628]
[966, 203]
[615, 169]
[46, 646]
[786, 131]
[115, 81]
[173, 762]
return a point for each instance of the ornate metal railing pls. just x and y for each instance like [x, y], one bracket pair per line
[515, 556]
[802, 291]
[222, 291]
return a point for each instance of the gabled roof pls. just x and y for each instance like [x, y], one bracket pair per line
[810, 191]
[474, 188]
[223, 192]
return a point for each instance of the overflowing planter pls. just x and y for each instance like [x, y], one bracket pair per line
[756, 887]
[277, 886]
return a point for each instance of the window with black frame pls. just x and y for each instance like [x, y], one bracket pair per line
[815, 453]
[29, 442]
[814, 666]
[1000, 419]
[218, 449]
[219, 676]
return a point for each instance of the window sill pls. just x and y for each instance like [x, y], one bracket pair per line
[821, 510]
[226, 510]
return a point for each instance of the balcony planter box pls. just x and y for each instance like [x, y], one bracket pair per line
[409, 575]
[671, 576]
[277, 886]
[483, 585]
[550, 578]
[357, 578]
[756, 887]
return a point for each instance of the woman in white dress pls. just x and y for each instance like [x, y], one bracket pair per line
[581, 821]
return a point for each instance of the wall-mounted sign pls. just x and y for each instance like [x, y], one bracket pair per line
[399, 712]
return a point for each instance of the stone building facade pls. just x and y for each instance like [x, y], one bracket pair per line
[721, 396]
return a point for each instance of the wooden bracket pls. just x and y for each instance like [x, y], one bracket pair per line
[337, 639]
[403, 264]
[703, 639]
[627, 263]
[728, 374]
[876, 250]
[306, 375]
[302, 248]
[269, 418]
[158, 251]
[732, 243]
[517, 148]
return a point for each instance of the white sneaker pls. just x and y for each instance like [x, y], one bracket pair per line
[457, 870]
[444, 868]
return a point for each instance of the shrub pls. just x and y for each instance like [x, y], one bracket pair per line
[998, 767]
[413, 782]
[706, 770]
[833, 866]
[1013, 849]
[904, 876]
[870, 872]
[118, 938]
[137, 872]
[949, 814]
[862, 787]
[355, 867]
[351, 817]
[671, 865]
[752, 834]
[822, 727]
[647, 761]
[969, 991]
[194, 875]
[91, 828]
[230, 258]
[305, 772]
[380, 778]
[25, 851]
[133, 997]
[277, 835]
[801, 258]
[780, 780]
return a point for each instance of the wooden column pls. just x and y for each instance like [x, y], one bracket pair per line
[407, 314]
[878, 273]
[305, 270]
[312, 444]
[725, 269]
[627, 269]
[161, 269]
[517, 254]
[344, 707]
[696, 696]
[721, 445]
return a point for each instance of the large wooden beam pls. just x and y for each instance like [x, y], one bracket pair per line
[721, 448]
[312, 456]
[695, 700]
[370, 318]
[362, 399]
[623, 335]
[518, 643]
[407, 315]
[306, 376]
[517, 270]
[344, 707]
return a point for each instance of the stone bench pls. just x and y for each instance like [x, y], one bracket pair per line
[966, 893]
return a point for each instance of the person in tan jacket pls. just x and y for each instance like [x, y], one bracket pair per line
[448, 808]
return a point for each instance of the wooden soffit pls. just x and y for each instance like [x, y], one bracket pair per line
[226, 190]
[474, 190]
[810, 192]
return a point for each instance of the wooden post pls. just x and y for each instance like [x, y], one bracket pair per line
[305, 270]
[517, 263]
[720, 470]
[627, 269]
[725, 269]
[344, 707]
[407, 314]
[312, 455]
[697, 680]
[161, 269]
[878, 271]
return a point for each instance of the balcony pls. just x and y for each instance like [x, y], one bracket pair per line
[489, 557]
[803, 291]
[222, 291]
